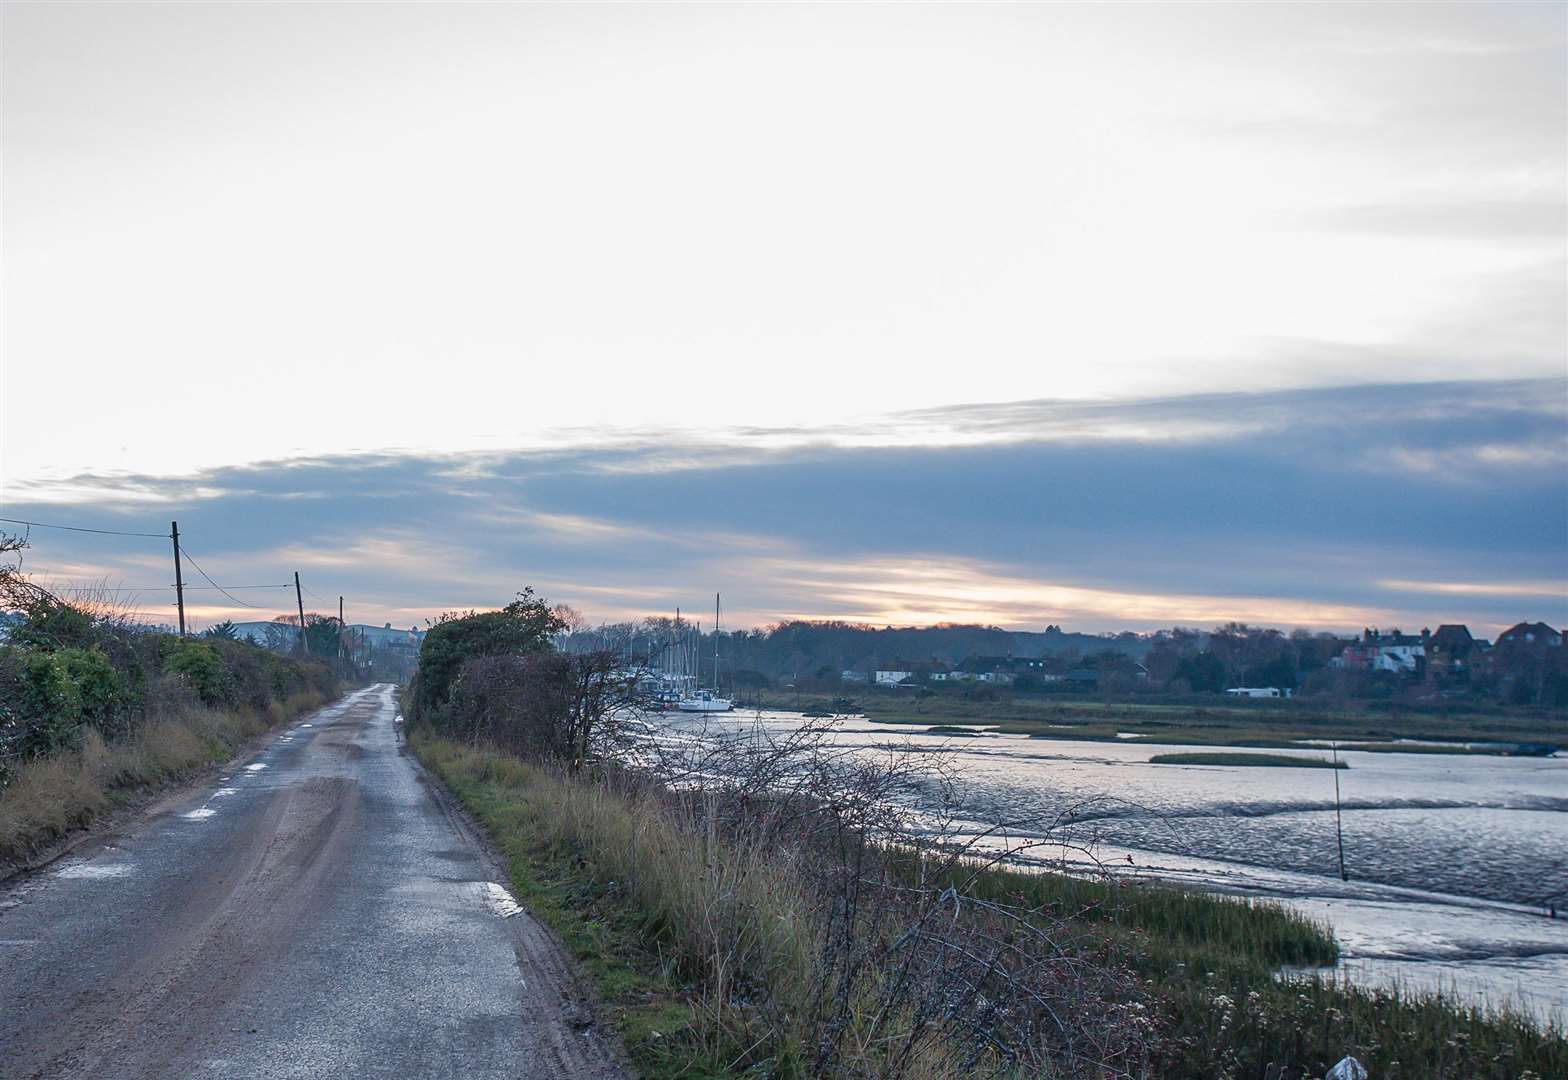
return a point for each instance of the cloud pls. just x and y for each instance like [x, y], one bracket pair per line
[1326, 507]
[1543, 219]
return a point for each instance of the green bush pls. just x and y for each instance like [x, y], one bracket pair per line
[523, 626]
[103, 693]
[202, 666]
[51, 623]
[41, 711]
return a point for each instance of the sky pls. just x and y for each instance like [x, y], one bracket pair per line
[1113, 316]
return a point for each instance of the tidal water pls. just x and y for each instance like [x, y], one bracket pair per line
[1454, 862]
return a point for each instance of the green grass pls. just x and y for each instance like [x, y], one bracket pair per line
[638, 904]
[1271, 761]
[642, 990]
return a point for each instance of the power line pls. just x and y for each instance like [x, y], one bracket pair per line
[78, 528]
[181, 550]
[186, 553]
[150, 588]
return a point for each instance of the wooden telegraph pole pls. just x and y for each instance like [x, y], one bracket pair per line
[179, 582]
[342, 629]
[300, 600]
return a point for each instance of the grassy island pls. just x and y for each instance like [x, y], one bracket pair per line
[1259, 761]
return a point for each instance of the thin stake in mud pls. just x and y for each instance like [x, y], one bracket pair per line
[1339, 828]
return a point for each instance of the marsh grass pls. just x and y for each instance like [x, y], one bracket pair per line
[53, 796]
[710, 955]
[1257, 724]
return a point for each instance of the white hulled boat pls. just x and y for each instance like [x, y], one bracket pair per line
[702, 701]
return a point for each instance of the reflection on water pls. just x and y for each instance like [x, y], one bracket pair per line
[1454, 861]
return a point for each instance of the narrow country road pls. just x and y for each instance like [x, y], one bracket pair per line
[316, 912]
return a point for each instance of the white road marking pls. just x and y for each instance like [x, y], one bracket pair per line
[197, 815]
[93, 870]
[498, 900]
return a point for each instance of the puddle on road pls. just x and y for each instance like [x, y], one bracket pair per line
[497, 900]
[93, 871]
[256, 767]
[198, 815]
[225, 791]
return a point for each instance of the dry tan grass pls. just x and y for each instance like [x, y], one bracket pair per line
[56, 795]
[748, 919]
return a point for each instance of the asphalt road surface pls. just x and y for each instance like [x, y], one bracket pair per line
[319, 911]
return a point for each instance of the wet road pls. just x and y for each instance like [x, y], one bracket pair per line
[316, 912]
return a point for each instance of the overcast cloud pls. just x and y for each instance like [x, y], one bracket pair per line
[1325, 508]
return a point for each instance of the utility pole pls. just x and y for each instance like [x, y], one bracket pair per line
[342, 629]
[179, 582]
[300, 599]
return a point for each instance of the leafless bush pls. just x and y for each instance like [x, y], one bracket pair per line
[549, 706]
[920, 964]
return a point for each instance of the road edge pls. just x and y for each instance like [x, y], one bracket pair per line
[147, 802]
[587, 1001]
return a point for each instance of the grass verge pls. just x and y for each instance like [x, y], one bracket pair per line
[54, 796]
[1266, 761]
[639, 982]
[637, 901]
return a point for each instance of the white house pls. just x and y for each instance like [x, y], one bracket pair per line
[893, 678]
[1257, 692]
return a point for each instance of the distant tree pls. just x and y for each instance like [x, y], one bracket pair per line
[224, 631]
[282, 634]
[323, 635]
[524, 626]
[1203, 672]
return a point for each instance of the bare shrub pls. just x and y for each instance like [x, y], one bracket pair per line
[815, 900]
[545, 706]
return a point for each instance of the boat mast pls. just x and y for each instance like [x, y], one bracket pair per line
[715, 643]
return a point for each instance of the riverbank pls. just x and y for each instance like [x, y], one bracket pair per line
[1283, 724]
[1188, 980]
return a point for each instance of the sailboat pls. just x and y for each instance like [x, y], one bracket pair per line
[703, 701]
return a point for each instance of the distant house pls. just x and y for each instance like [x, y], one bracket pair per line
[893, 678]
[997, 670]
[1530, 663]
[1451, 652]
[1257, 692]
[1531, 633]
[849, 675]
[1380, 651]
